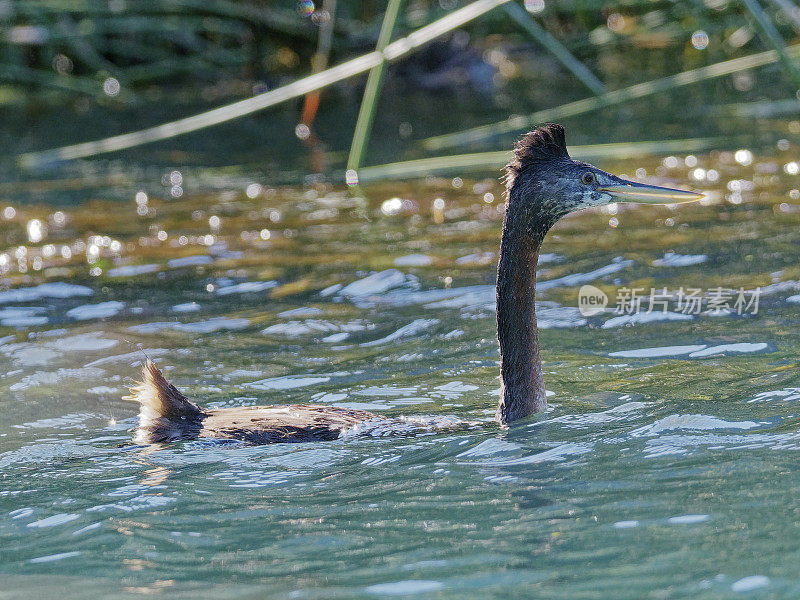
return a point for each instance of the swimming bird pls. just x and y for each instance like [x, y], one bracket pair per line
[543, 184]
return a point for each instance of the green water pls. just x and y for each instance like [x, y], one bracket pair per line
[649, 477]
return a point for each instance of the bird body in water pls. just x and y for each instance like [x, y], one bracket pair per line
[543, 184]
[166, 415]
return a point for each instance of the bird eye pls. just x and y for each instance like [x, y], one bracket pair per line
[588, 178]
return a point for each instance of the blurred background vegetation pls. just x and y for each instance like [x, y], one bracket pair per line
[76, 70]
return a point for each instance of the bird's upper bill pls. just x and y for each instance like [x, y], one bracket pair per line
[631, 191]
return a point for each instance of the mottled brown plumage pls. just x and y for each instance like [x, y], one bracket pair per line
[292, 423]
[166, 415]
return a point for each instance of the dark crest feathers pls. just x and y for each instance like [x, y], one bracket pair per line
[543, 143]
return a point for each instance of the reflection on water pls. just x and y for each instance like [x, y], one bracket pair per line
[665, 467]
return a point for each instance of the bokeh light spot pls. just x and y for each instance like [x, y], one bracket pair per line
[534, 6]
[700, 40]
[111, 87]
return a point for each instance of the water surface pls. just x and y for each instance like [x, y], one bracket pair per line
[666, 466]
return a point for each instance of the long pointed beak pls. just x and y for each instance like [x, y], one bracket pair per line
[630, 191]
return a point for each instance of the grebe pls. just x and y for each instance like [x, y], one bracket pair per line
[543, 184]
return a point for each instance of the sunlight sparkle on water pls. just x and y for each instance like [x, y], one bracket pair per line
[750, 583]
[36, 231]
[253, 190]
[744, 157]
[392, 206]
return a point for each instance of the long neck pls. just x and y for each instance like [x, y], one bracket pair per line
[523, 391]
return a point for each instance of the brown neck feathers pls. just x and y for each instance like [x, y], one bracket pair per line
[523, 391]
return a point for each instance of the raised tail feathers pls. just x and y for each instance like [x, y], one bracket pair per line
[165, 414]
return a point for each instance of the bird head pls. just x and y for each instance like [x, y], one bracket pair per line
[544, 184]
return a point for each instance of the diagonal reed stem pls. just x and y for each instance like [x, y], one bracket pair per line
[564, 56]
[366, 112]
[640, 90]
[486, 161]
[770, 34]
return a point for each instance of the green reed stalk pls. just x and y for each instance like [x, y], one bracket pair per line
[770, 34]
[564, 56]
[640, 90]
[366, 112]
[491, 161]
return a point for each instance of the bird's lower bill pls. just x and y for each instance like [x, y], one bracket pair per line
[631, 191]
